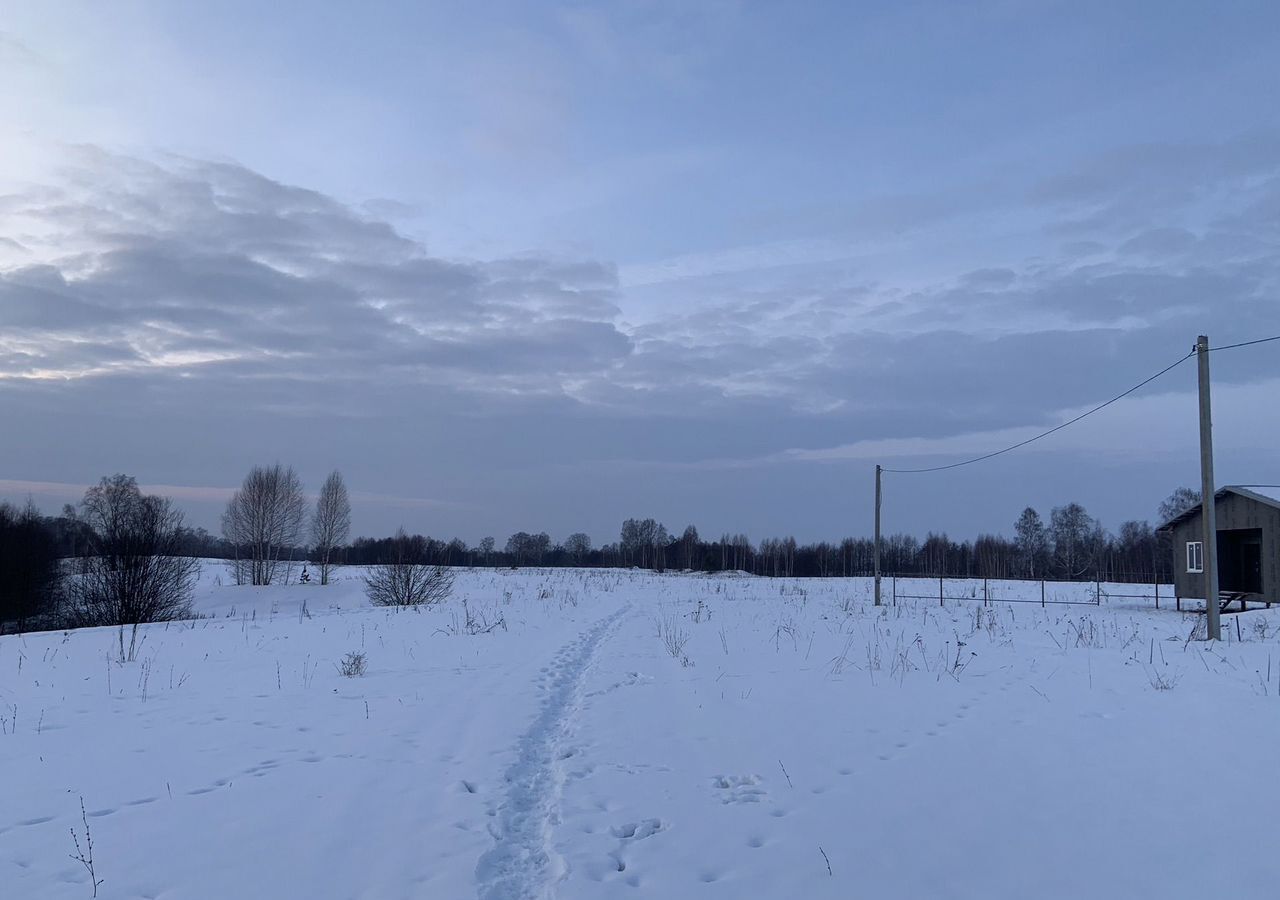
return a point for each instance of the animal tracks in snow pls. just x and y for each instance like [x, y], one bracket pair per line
[627, 834]
[739, 788]
[638, 830]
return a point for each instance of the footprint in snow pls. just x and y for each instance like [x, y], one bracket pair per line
[739, 788]
[638, 830]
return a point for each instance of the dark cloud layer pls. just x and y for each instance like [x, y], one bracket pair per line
[184, 319]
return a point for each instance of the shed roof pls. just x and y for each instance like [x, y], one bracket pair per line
[1269, 496]
[1264, 493]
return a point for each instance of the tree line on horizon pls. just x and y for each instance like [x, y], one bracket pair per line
[121, 557]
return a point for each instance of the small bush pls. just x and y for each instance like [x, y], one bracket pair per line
[674, 638]
[353, 665]
[404, 578]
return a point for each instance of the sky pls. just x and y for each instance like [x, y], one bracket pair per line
[540, 266]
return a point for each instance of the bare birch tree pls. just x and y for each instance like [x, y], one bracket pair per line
[263, 521]
[1032, 541]
[1076, 537]
[331, 523]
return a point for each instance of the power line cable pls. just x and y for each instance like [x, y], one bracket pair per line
[1056, 428]
[1084, 415]
[1245, 344]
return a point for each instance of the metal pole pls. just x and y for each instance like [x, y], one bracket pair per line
[877, 552]
[1208, 511]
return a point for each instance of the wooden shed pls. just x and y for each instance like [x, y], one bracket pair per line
[1248, 546]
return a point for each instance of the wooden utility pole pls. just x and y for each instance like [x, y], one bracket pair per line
[877, 551]
[1208, 512]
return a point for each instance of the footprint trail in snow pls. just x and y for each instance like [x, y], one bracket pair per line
[523, 864]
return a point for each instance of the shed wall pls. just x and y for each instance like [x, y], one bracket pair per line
[1233, 512]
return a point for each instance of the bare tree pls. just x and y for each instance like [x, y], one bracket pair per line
[644, 542]
[403, 578]
[518, 547]
[1032, 541]
[578, 546]
[136, 573]
[263, 521]
[1076, 540]
[29, 569]
[454, 552]
[331, 523]
[528, 549]
[689, 545]
[1181, 500]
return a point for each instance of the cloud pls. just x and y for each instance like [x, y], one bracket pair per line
[214, 273]
[200, 266]
[183, 319]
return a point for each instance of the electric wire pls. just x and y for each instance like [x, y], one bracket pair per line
[1245, 344]
[1084, 415]
[1045, 434]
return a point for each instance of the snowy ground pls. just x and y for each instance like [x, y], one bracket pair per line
[800, 743]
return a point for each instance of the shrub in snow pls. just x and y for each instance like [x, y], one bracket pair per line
[353, 664]
[136, 572]
[673, 638]
[404, 578]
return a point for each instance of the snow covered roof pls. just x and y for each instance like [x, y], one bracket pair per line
[1267, 495]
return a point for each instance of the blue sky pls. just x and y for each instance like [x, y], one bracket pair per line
[539, 266]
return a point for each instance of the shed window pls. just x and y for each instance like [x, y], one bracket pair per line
[1195, 556]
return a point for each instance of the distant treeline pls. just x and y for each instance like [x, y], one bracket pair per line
[266, 525]
[1071, 546]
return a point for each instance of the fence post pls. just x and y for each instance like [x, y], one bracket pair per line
[895, 590]
[1042, 593]
[941, 600]
[1157, 592]
[1177, 600]
[1097, 596]
[986, 595]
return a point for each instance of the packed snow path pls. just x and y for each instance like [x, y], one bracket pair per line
[523, 864]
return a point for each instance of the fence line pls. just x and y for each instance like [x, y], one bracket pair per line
[999, 591]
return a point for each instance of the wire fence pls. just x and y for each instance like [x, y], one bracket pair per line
[986, 591]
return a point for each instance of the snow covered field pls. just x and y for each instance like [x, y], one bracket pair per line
[637, 735]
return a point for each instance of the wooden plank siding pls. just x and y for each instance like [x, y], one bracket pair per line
[1234, 511]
